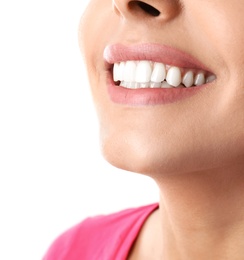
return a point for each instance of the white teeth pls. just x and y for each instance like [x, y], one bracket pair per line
[166, 85]
[188, 79]
[143, 72]
[159, 72]
[199, 79]
[137, 85]
[210, 78]
[155, 84]
[148, 74]
[131, 85]
[118, 71]
[174, 76]
[145, 85]
[129, 71]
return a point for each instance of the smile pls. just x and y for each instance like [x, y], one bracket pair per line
[152, 74]
[148, 74]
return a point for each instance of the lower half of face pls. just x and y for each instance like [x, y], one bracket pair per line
[198, 132]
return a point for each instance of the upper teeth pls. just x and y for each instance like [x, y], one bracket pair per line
[148, 74]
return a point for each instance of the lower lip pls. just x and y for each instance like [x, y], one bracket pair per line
[149, 96]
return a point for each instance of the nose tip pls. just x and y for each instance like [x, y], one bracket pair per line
[163, 9]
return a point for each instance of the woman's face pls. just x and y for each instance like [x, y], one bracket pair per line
[169, 129]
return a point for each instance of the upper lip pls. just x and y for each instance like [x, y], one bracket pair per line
[151, 51]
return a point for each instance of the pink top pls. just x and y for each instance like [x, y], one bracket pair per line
[107, 237]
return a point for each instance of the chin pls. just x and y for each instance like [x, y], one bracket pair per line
[140, 156]
[165, 158]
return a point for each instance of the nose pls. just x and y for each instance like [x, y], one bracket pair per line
[162, 9]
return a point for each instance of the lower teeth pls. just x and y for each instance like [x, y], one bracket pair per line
[136, 85]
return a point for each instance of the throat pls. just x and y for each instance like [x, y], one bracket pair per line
[202, 215]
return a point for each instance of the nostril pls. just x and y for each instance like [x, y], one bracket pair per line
[149, 9]
[146, 8]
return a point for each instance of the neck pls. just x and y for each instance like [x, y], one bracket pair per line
[202, 215]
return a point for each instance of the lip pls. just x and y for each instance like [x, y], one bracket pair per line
[156, 53]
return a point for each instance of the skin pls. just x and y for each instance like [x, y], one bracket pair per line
[193, 148]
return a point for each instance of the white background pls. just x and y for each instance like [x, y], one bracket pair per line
[51, 172]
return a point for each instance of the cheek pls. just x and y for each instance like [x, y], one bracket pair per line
[95, 29]
[222, 30]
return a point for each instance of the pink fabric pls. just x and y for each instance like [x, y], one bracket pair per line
[107, 237]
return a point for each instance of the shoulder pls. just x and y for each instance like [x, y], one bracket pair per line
[100, 237]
